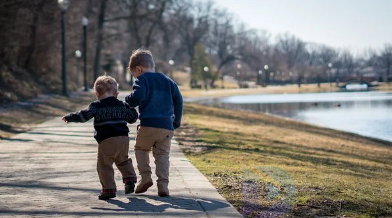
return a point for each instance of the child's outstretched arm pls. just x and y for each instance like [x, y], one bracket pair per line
[80, 116]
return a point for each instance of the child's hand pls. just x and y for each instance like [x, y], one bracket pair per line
[64, 119]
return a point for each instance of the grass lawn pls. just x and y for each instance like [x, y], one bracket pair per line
[335, 173]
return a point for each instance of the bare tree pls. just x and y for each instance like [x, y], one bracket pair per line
[348, 63]
[221, 41]
[98, 48]
[386, 57]
[256, 52]
[324, 56]
[192, 24]
[294, 50]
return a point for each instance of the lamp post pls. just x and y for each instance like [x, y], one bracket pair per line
[266, 74]
[206, 69]
[329, 74]
[239, 66]
[78, 54]
[63, 5]
[171, 63]
[85, 23]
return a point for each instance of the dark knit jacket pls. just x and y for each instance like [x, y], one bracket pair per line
[159, 100]
[110, 117]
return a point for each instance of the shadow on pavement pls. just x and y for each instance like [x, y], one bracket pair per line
[45, 186]
[159, 204]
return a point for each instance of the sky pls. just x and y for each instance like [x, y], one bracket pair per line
[352, 24]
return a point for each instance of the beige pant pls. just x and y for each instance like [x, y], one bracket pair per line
[114, 150]
[159, 141]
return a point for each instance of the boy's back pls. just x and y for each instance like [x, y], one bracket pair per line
[110, 117]
[160, 106]
[159, 101]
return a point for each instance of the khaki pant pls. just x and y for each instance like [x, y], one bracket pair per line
[114, 150]
[159, 141]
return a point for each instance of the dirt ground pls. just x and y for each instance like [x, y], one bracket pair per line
[23, 116]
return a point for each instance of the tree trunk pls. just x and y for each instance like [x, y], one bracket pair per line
[386, 75]
[98, 49]
[299, 81]
[337, 77]
[33, 35]
[318, 80]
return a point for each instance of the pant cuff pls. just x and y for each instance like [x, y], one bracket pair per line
[109, 191]
[129, 179]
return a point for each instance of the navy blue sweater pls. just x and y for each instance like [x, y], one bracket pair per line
[159, 100]
[110, 117]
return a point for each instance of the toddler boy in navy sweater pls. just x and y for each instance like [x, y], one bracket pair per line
[160, 107]
[111, 132]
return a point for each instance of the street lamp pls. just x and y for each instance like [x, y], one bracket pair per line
[78, 54]
[239, 66]
[63, 5]
[171, 63]
[329, 74]
[266, 74]
[84, 24]
[206, 69]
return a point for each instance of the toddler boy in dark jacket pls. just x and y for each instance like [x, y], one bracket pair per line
[111, 132]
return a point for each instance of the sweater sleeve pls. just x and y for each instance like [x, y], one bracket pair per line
[138, 94]
[132, 114]
[81, 116]
[178, 106]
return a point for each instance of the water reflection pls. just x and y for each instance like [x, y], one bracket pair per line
[368, 114]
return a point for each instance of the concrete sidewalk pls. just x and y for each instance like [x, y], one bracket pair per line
[51, 171]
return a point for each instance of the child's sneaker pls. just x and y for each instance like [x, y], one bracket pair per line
[129, 187]
[143, 185]
[106, 196]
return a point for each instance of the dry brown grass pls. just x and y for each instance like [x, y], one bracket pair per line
[22, 118]
[308, 88]
[335, 173]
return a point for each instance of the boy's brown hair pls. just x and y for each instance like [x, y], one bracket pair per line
[141, 57]
[105, 84]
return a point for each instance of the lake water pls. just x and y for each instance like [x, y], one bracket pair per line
[365, 113]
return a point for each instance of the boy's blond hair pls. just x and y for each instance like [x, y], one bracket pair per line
[141, 57]
[105, 84]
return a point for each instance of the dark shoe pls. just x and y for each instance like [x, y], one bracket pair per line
[143, 185]
[129, 187]
[106, 196]
[163, 190]
[162, 194]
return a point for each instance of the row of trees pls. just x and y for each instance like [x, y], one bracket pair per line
[204, 36]
[196, 34]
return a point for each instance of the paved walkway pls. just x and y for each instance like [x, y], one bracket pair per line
[51, 171]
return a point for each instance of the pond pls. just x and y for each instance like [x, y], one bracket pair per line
[364, 113]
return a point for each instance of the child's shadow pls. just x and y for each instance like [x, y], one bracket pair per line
[159, 204]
